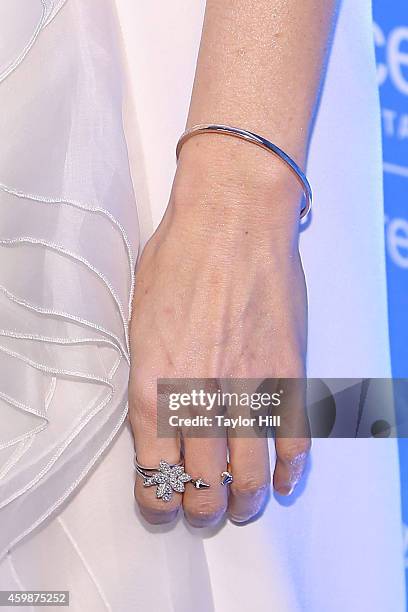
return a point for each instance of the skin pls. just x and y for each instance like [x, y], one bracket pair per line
[220, 290]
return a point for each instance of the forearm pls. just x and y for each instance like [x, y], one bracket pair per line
[260, 66]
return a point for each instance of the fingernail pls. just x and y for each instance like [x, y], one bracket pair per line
[286, 491]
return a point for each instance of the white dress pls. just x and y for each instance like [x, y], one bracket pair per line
[94, 95]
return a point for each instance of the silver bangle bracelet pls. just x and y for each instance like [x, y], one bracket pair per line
[258, 140]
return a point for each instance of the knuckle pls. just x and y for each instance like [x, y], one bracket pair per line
[153, 508]
[292, 450]
[250, 486]
[141, 393]
[142, 404]
[204, 512]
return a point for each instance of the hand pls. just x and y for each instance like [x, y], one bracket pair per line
[220, 293]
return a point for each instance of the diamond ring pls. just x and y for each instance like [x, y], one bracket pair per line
[167, 478]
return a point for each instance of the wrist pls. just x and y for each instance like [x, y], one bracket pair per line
[218, 174]
[232, 154]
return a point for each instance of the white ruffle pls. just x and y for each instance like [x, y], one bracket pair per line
[68, 245]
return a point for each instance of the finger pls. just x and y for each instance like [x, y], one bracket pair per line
[292, 440]
[205, 458]
[248, 455]
[150, 449]
[291, 459]
[249, 459]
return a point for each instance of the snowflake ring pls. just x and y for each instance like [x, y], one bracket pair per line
[167, 478]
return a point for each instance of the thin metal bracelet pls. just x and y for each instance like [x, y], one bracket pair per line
[261, 142]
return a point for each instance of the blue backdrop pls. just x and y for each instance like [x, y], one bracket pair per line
[391, 40]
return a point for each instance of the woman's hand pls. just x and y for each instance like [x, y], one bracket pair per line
[220, 290]
[220, 293]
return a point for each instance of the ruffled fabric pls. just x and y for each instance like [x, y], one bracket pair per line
[69, 241]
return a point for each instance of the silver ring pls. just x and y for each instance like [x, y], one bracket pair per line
[168, 477]
[226, 478]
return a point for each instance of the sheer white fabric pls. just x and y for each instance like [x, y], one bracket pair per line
[84, 104]
[66, 256]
